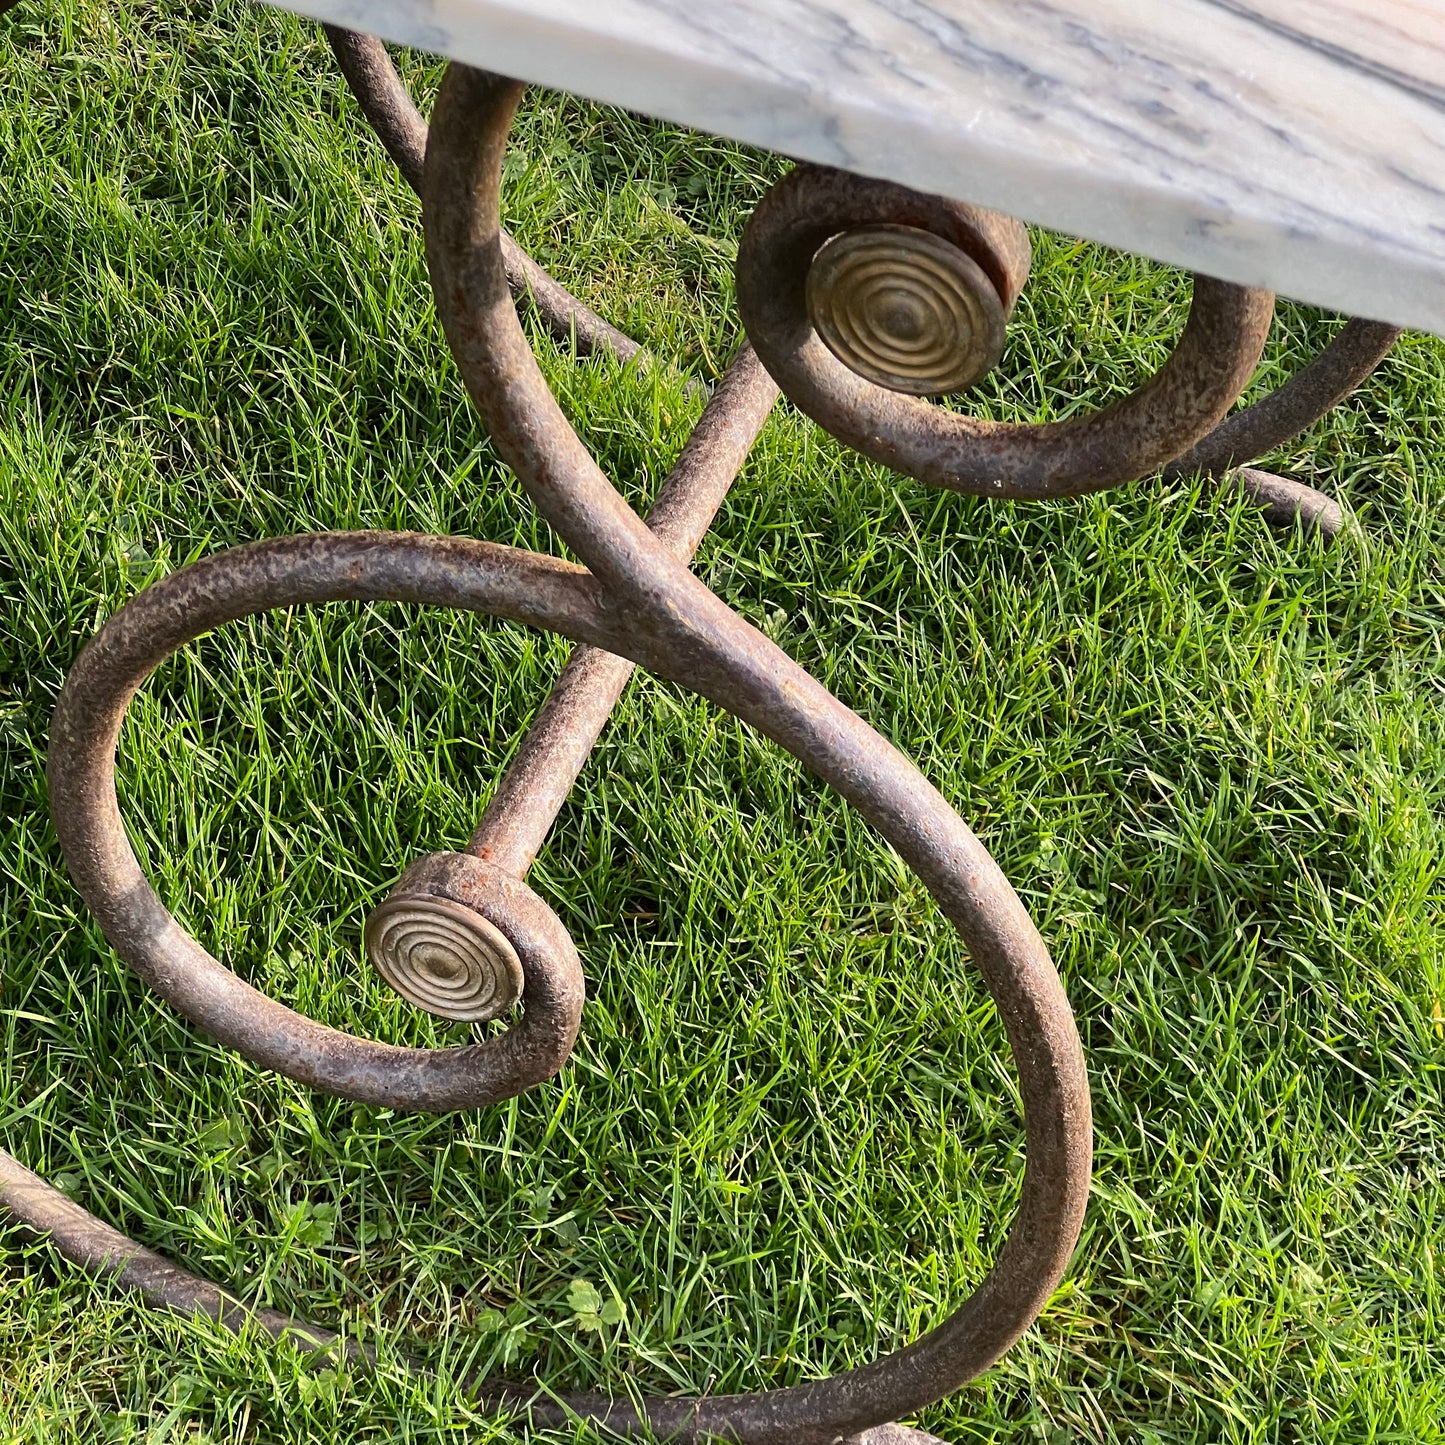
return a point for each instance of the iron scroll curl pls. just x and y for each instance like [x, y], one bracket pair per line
[861, 299]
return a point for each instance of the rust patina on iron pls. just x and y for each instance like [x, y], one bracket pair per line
[1000, 245]
[398, 124]
[844, 284]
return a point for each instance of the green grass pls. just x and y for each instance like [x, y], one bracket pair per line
[1210, 757]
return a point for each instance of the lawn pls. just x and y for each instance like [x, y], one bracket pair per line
[1211, 758]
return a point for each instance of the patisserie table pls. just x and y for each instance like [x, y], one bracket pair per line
[1266, 147]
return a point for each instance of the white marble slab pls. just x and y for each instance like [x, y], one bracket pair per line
[1294, 144]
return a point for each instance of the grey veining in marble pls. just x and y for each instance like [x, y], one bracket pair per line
[1294, 144]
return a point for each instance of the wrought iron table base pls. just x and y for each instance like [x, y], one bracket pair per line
[861, 299]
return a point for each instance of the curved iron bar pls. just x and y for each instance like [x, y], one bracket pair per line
[1284, 503]
[1358, 348]
[1222, 454]
[102, 1250]
[386, 103]
[638, 604]
[757, 682]
[1175, 409]
[1270, 422]
[697, 638]
[1181, 409]
[639, 600]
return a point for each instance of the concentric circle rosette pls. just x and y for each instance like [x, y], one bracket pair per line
[444, 958]
[906, 309]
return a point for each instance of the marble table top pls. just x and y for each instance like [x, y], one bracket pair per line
[1292, 144]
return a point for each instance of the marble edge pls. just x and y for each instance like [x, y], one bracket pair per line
[1332, 273]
